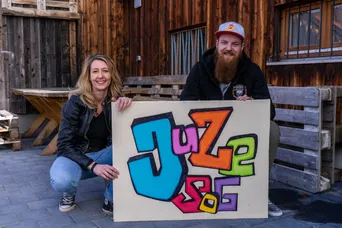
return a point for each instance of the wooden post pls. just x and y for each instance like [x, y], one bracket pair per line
[329, 123]
[209, 36]
[41, 5]
[118, 34]
[3, 100]
[73, 51]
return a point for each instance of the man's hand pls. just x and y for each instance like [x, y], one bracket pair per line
[244, 98]
[108, 172]
[122, 102]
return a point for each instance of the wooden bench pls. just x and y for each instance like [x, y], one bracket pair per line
[307, 120]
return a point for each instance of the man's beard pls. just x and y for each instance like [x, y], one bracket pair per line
[226, 69]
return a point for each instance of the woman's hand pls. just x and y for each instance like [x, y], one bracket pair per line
[123, 103]
[108, 172]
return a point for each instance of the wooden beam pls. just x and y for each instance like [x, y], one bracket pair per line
[297, 178]
[209, 18]
[118, 34]
[297, 116]
[23, 12]
[306, 96]
[73, 52]
[298, 158]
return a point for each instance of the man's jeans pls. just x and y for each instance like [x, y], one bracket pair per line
[66, 174]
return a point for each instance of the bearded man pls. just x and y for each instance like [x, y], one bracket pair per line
[225, 72]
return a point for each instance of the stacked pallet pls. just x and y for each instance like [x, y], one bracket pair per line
[9, 130]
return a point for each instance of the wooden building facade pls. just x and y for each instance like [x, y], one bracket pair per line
[152, 38]
[143, 39]
[162, 37]
[38, 48]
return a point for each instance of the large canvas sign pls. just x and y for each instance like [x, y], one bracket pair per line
[191, 160]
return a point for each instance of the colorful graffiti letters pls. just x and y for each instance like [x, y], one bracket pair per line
[191, 205]
[160, 133]
[199, 203]
[191, 137]
[216, 119]
[231, 205]
[206, 206]
[159, 184]
[242, 141]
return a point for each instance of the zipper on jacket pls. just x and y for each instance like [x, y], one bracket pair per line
[87, 128]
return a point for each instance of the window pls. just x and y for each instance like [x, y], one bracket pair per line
[187, 48]
[310, 30]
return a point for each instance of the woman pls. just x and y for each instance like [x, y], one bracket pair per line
[84, 139]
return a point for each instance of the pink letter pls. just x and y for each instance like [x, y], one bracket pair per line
[191, 144]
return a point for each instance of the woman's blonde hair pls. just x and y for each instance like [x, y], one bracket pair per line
[84, 86]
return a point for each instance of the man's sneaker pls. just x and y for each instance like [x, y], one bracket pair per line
[67, 203]
[107, 207]
[273, 210]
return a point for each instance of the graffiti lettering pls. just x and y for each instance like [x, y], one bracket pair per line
[149, 134]
[217, 119]
[191, 137]
[206, 206]
[232, 197]
[191, 205]
[173, 142]
[242, 141]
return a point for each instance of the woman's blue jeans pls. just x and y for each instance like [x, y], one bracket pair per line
[66, 174]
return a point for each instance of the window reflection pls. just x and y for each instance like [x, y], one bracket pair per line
[304, 32]
[337, 23]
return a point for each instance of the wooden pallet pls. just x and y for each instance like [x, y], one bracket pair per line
[65, 9]
[306, 152]
[9, 130]
[306, 117]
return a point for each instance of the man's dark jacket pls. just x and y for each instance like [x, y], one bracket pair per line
[72, 141]
[201, 83]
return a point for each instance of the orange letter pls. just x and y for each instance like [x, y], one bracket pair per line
[216, 119]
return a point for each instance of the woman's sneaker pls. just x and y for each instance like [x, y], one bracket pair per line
[107, 207]
[67, 203]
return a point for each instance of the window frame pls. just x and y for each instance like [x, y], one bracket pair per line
[325, 46]
[195, 55]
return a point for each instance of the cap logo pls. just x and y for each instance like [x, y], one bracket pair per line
[230, 27]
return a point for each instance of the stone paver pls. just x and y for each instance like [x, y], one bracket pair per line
[27, 200]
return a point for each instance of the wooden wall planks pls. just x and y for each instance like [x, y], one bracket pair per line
[43, 53]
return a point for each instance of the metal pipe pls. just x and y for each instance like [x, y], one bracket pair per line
[320, 30]
[288, 35]
[332, 27]
[298, 31]
[309, 29]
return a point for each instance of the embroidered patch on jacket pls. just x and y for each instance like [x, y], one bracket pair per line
[239, 90]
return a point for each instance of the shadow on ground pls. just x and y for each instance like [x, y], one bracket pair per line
[315, 208]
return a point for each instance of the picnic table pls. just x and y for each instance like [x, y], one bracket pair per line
[49, 103]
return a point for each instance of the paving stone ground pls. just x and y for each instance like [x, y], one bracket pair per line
[28, 200]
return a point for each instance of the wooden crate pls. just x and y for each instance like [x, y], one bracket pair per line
[306, 117]
[9, 130]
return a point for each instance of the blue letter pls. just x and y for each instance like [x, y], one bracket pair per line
[150, 133]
